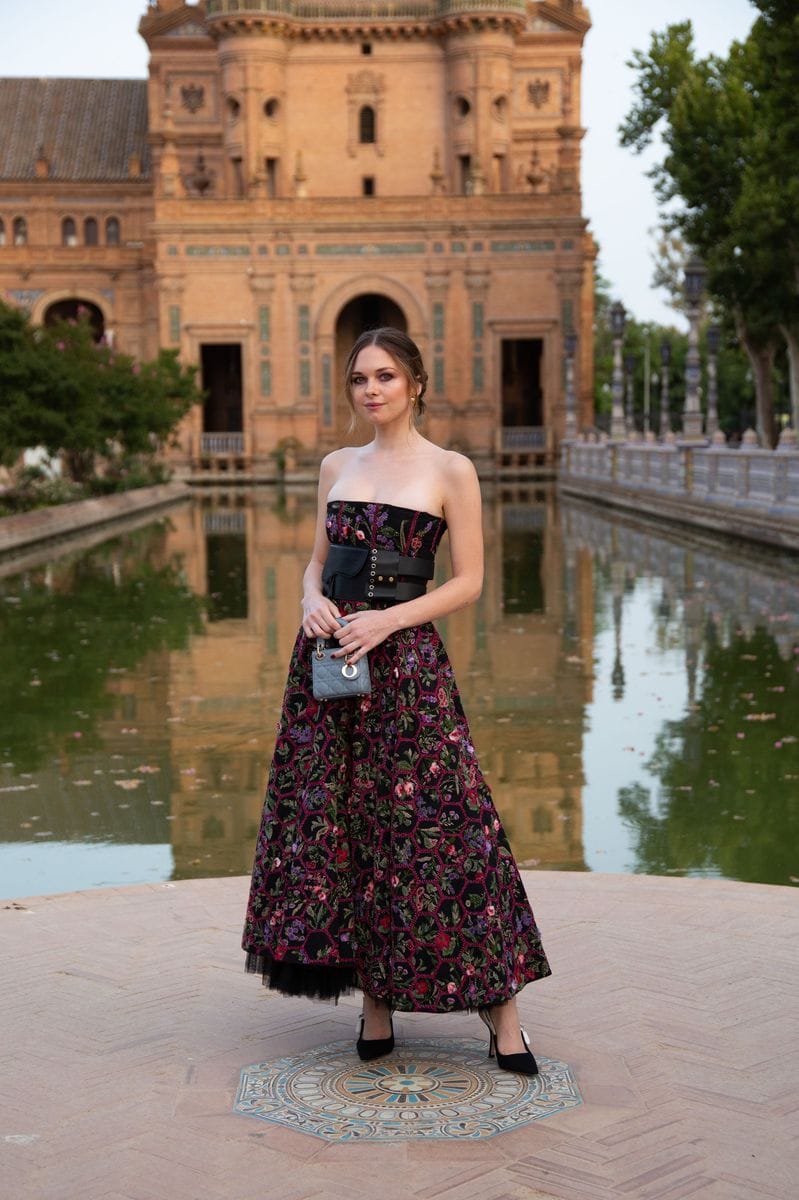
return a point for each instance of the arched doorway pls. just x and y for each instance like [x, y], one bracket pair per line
[73, 310]
[369, 311]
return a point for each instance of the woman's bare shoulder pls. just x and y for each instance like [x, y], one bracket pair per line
[456, 467]
[334, 463]
[337, 458]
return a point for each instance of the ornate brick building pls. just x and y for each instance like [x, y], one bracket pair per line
[292, 172]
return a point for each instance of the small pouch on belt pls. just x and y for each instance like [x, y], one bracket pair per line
[345, 572]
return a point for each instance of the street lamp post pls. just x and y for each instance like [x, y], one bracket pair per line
[570, 346]
[694, 287]
[617, 320]
[629, 392]
[665, 363]
[713, 344]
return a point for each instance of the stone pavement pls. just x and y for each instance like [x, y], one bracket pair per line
[127, 1019]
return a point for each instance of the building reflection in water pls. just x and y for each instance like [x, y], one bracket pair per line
[142, 682]
[522, 657]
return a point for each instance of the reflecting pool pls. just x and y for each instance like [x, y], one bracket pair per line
[633, 692]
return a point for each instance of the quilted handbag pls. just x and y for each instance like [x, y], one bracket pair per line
[337, 678]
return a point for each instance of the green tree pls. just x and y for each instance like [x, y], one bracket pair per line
[717, 129]
[63, 391]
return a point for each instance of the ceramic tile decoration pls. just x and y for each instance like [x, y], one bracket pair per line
[427, 1088]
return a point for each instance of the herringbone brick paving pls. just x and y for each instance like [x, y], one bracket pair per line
[127, 1018]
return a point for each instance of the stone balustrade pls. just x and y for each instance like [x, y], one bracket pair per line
[746, 491]
[336, 10]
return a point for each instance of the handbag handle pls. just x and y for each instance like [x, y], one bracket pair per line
[320, 651]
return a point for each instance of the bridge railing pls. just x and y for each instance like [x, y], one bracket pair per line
[745, 478]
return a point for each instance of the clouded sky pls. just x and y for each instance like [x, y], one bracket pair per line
[99, 38]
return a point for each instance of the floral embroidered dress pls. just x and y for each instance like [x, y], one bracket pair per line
[381, 862]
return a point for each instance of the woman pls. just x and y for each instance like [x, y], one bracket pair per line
[381, 863]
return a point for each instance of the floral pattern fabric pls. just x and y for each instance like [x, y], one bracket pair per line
[381, 861]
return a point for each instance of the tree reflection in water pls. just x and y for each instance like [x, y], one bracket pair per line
[728, 772]
[66, 629]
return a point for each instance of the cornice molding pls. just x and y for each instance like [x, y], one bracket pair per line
[156, 24]
[577, 21]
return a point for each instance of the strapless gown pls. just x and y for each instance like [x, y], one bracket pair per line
[381, 862]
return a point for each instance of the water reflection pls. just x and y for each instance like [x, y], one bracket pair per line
[709, 632]
[633, 695]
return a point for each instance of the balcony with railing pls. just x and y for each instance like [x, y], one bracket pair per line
[332, 11]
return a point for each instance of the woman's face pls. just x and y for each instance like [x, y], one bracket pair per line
[379, 388]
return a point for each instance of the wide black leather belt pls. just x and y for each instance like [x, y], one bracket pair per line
[362, 573]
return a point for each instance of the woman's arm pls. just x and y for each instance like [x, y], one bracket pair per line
[463, 512]
[318, 612]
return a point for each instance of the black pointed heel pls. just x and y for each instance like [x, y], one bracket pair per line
[373, 1047]
[522, 1064]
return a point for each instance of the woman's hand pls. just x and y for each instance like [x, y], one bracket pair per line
[319, 615]
[364, 630]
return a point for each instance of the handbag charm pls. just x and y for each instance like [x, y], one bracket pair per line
[337, 678]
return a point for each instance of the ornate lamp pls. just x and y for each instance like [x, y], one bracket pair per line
[693, 288]
[618, 317]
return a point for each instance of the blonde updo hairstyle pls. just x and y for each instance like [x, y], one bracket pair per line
[406, 355]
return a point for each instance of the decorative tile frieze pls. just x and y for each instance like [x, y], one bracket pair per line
[305, 377]
[367, 248]
[522, 247]
[218, 251]
[438, 321]
[25, 297]
[264, 323]
[327, 391]
[266, 377]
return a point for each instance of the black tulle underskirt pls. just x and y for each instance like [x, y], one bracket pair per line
[299, 979]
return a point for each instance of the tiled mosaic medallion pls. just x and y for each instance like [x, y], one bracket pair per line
[431, 1088]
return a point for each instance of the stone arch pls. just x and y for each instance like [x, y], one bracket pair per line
[87, 295]
[334, 414]
[374, 284]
